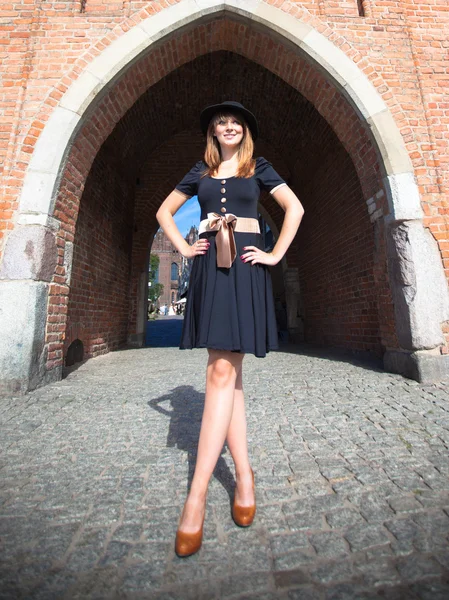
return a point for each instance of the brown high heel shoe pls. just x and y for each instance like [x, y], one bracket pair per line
[244, 515]
[189, 543]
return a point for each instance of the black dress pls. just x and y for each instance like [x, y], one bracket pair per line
[230, 309]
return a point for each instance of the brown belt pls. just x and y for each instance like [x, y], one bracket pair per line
[225, 225]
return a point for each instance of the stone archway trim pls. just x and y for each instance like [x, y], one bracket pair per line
[52, 147]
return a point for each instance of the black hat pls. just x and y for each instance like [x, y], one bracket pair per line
[209, 111]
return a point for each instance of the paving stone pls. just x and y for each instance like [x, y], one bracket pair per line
[241, 583]
[351, 591]
[397, 592]
[129, 532]
[329, 544]
[416, 566]
[344, 518]
[259, 596]
[287, 543]
[103, 514]
[406, 533]
[323, 503]
[54, 585]
[351, 471]
[116, 552]
[145, 552]
[291, 577]
[361, 537]
[143, 578]
[402, 504]
[431, 590]
[184, 571]
[442, 557]
[259, 558]
[347, 486]
[381, 572]
[429, 499]
[87, 550]
[275, 526]
[433, 522]
[305, 592]
[97, 583]
[332, 572]
[305, 520]
[56, 543]
[293, 560]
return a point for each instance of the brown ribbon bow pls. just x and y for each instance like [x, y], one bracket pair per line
[224, 225]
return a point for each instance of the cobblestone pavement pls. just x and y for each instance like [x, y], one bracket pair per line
[351, 468]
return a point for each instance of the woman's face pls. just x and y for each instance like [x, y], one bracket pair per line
[229, 131]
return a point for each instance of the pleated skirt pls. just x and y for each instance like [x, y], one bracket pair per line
[230, 309]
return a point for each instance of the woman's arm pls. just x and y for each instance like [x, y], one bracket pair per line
[164, 215]
[294, 212]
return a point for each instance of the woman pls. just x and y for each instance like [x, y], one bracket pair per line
[230, 307]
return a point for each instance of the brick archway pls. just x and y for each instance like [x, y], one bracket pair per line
[113, 81]
[101, 86]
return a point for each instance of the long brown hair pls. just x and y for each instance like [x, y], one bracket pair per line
[212, 154]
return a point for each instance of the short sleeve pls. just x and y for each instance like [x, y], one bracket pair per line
[268, 179]
[189, 184]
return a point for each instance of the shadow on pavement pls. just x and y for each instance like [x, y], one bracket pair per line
[184, 407]
[362, 359]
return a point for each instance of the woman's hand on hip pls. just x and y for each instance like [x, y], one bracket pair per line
[201, 246]
[255, 255]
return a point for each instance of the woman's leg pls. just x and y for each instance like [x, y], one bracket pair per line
[238, 446]
[222, 371]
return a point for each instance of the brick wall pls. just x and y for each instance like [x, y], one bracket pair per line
[336, 253]
[98, 303]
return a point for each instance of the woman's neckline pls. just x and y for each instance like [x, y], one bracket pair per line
[229, 177]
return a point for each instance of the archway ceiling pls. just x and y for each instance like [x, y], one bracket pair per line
[290, 127]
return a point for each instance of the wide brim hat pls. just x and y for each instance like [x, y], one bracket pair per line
[231, 106]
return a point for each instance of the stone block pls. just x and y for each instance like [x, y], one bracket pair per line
[28, 218]
[403, 197]
[244, 7]
[30, 253]
[362, 537]
[169, 20]
[210, 5]
[365, 96]
[331, 58]
[421, 366]
[68, 261]
[81, 93]
[121, 53]
[418, 285]
[37, 192]
[416, 567]
[289, 27]
[23, 314]
[54, 141]
[390, 143]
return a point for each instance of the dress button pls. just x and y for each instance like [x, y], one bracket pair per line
[223, 190]
[223, 181]
[223, 209]
[223, 199]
